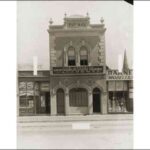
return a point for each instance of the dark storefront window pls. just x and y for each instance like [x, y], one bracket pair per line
[30, 101]
[34, 98]
[78, 97]
[117, 101]
[27, 92]
[119, 98]
[23, 102]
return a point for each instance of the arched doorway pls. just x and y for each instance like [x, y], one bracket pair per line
[60, 102]
[96, 100]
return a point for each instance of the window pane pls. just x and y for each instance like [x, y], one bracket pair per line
[22, 101]
[43, 101]
[83, 51]
[83, 56]
[22, 88]
[71, 51]
[71, 62]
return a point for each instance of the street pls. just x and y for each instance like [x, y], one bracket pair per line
[60, 135]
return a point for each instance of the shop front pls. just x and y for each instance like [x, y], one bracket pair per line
[34, 99]
[120, 92]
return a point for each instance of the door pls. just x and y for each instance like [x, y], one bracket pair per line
[96, 101]
[43, 103]
[47, 101]
[60, 102]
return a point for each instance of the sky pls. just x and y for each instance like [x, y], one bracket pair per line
[33, 21]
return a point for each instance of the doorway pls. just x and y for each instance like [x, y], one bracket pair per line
[43, 103]
[96, 101]
[60, 102]
[47, 101]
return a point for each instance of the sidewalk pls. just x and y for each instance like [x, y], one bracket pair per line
[67, 122]
[108, 117]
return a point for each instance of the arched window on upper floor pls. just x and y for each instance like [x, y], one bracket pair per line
[83, 56]
[71, 56]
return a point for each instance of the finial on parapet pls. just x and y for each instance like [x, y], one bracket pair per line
[51, 21]
[102, 20]
[65, 15]
[87, 14]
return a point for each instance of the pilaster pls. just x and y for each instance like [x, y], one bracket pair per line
[104, 103]
[67, 102]
[90, 103]
[53, 104]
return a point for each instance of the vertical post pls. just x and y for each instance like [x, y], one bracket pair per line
[123, 98]
[67, 102]
[53, 104]
[109, 106]
[78, 58]
[114, 97]
[18, 97]
[34, 97]
[35, 65]
[65, 57]
[90, 103]
[26, 97]
[130, 96]
[104, 103]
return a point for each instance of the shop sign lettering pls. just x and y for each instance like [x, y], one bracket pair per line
[76, 70]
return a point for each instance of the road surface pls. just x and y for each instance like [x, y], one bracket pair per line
[100, 135]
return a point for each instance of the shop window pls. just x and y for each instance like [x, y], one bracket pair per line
[31, 104]
[83, 56]
[30, 101]
[23, 101]
[71, 56]
[43, 101]
[118, 101]
[78, 97]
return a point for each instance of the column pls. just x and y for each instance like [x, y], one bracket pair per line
[77, 58]
[104, 103]
[90, 103]
[53, 104]
[113, 104]
[67, 103]
[65, 58]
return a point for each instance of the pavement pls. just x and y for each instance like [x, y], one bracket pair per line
[74, 132]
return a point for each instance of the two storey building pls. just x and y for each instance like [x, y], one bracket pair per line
[78, 81]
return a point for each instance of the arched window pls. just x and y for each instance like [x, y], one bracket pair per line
[83, 56]
[71, 56]
[78, 97]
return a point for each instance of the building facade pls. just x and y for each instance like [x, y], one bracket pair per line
[78, 81]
